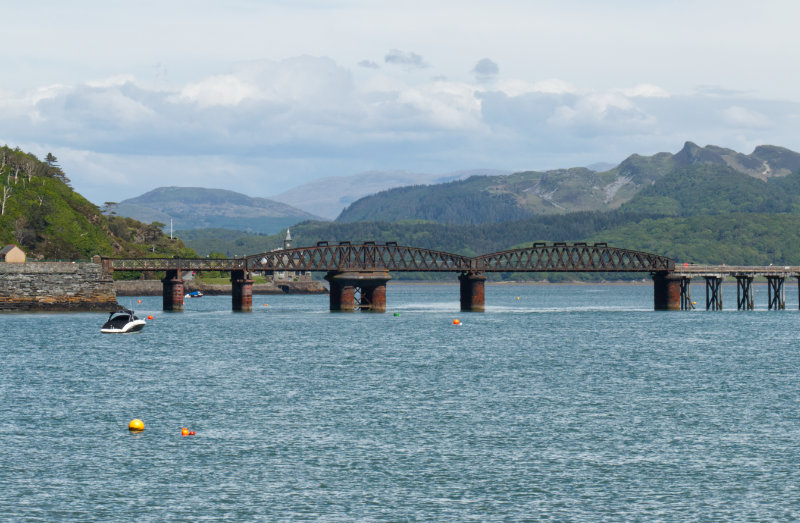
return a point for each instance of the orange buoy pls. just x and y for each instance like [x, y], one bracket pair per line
[184, 431]
[456, 322]
[138, 301]
[191, 433]
[149, 317]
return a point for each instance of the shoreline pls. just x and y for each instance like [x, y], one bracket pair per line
[500, 283]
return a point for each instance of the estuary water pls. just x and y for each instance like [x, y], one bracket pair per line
[567, 402]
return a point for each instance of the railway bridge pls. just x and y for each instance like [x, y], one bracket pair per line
[358, 272]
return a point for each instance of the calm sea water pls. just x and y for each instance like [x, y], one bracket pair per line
[560, 402]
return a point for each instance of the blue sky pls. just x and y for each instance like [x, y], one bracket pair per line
[261, 96]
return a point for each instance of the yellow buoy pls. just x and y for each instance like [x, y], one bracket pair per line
[136, 425]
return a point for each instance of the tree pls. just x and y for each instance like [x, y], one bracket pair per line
[108, 208]
[54, 169]
[30, 166]
[4, 198]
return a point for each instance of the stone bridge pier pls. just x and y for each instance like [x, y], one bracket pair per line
[351, 290]
[473, 298]
[172, 291]
[241, 291]
[666, 291]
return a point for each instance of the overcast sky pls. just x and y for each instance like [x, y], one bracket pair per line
[261, 96]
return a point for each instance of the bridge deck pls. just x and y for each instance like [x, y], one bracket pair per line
[721, 271]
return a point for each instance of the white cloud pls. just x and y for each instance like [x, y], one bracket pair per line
[111, 81]
[644, 91]
[265, 126]
[516, 87]
[743, 117]
[219, 90]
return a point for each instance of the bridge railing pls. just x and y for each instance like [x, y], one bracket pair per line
[183, 264]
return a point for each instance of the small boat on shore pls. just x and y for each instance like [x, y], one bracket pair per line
[122, 321]
[194, 294]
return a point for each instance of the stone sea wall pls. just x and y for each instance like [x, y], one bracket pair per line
[55, 286]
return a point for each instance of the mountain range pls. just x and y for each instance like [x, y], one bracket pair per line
[487, 199]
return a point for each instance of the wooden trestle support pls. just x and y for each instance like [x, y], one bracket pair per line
[351, 290]
[776, 299]
[713, 293]
[744, 292]
[686, 295]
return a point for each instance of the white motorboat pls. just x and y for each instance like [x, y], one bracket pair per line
[122, 321]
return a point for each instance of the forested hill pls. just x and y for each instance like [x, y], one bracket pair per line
[489, 199]
[198, 208]
[41, 213]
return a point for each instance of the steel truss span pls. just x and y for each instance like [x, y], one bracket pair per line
[577, 257]
[368, 256]
[557, 257]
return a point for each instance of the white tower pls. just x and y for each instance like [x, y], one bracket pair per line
[287, 243]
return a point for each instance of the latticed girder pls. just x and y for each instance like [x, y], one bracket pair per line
[369, 256]
[363, 257]
[578, 257]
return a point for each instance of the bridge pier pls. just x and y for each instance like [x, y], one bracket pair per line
[667, 291]
[351, 290]
[713, 293]
[473, 298]
[744, 292]
[172, 291]
[776, 298]
[686, 295]
[241, 291]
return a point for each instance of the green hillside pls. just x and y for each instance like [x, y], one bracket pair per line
[716, 189]
[40, 212]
